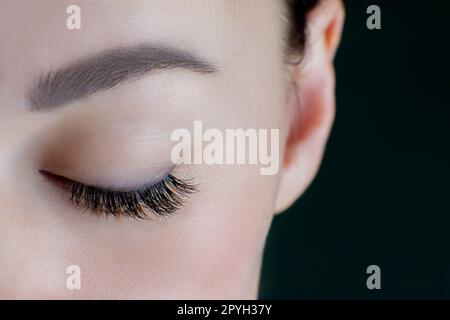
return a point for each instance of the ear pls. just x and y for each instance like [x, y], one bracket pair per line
[311, 103]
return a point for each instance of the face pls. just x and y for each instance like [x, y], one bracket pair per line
[117, 136]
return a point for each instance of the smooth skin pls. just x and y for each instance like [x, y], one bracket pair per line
[212, 248]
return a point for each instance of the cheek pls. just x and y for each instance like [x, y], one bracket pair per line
[230, 230]
[212, 251]
[229, 245]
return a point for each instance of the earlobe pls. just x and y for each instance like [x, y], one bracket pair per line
[311, 107]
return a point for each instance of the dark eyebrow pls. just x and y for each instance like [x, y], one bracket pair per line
[108, 69]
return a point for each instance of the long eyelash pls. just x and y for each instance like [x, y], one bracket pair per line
[162, 198]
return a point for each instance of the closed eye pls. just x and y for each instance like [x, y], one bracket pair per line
[162, 199]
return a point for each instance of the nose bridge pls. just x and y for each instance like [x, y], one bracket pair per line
[30, 254]
[14, 222]
[10, 133]
[12, 235]
[14, 133]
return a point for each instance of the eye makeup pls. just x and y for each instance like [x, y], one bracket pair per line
[161, 199]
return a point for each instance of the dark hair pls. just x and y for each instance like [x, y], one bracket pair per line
[297, 29]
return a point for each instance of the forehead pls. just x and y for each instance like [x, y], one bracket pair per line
[39, 26]
[235, 34]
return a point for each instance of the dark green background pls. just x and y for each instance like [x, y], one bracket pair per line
[382, 194]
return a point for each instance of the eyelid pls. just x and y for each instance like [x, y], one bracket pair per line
[120, 183]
